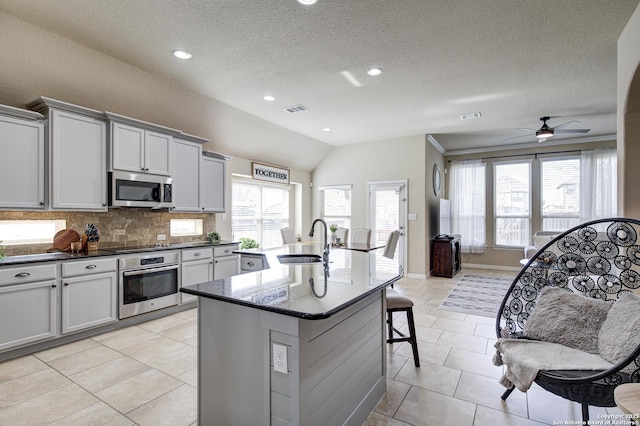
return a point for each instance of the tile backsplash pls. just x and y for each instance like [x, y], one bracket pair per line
[117, 227]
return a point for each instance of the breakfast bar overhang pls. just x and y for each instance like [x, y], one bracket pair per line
[325, 323]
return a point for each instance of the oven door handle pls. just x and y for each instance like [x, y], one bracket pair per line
[148, 270]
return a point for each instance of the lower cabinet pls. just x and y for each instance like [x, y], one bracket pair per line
[225, 263]
[89, 301]
[196, 268]
[27, 313]
[89, 294]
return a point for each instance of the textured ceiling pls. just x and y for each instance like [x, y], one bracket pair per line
[513, 61]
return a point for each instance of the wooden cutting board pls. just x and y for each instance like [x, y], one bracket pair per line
[63, 239]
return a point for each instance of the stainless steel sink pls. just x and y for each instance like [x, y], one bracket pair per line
[299, 258]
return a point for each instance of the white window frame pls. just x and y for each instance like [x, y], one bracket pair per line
[244, 180]
[30, 231]
[177, 225]
[345, 217]
[529, 216]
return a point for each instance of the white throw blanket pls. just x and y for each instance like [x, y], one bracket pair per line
[524, 358]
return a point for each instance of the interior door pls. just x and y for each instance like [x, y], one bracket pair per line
[387, 212]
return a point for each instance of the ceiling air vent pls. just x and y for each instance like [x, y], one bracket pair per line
[295, 108]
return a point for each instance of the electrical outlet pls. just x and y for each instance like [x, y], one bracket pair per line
[280, 358]
[161, 237]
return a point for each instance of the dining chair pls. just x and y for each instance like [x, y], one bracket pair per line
[288, 235]
[391, 244]
[361, 236]
[343, 234]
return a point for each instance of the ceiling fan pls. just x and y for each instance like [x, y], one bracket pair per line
[545, 132]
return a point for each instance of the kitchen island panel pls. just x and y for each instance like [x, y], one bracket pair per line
[336, 366]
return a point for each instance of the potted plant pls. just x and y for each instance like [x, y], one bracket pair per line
[248, 243]
[213, 237]
[333, 228]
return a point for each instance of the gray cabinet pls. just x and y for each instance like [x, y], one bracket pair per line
[28, 301]
[89, 294]
[77, 155]
[213, 182]
[187, 176]
[140, 147]
[196, 268]
[22, 162]
[225, 263]
[252, 263]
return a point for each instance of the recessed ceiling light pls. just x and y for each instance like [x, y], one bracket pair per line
[326, 129]
[374, 71]
[181, 54]
[269, 98]
[307, 2]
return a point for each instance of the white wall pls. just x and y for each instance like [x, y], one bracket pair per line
[392, 159]
[629, 118]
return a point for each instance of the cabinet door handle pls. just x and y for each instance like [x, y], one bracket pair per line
[142, 168]
[22, 275]
[54, 286]
[250, 263]
[42, 203]
[66, 284]
[196, 254]
[90, 267]
[216, 261]
[227, 251]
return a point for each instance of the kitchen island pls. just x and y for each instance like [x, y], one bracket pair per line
[296, 344]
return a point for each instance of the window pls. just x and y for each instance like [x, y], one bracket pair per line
[259, 211]
[512, 203]
[185, 227]
[468, 212]
[335, 202]
[560, 194]
[14, 232]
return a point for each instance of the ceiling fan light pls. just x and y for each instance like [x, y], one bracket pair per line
[543, 134]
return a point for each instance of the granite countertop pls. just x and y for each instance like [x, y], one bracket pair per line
[57, 256]
[301, 290]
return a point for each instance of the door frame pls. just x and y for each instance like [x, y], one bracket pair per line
[402, 217]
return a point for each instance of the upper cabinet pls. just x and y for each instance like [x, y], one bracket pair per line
[140, 147]
[22, 163]
[77, 155]
[187, 173]
[213, 182]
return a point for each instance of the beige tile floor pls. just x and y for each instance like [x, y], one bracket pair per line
[146, 375]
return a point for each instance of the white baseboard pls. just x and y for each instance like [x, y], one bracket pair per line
[416, 276]
[494, 267]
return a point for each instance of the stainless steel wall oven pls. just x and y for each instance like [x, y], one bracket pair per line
[148, 282]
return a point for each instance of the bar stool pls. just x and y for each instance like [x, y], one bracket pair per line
[399, 303]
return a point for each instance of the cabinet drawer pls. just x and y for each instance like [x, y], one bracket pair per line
[27, 274]
[225, 250]
[251, 263]
[93, 266]
[197, 254]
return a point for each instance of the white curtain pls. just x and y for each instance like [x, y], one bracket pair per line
[468, 212]
[598, 184]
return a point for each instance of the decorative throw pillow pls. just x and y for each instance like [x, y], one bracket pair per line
[619, 334]
[567, 318]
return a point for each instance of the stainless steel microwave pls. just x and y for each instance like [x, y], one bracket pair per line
[139, 190]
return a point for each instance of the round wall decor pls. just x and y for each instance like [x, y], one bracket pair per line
[437, 179]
